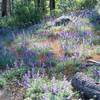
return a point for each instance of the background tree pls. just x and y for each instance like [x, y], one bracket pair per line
[6, 7]
[41, 5]
[98, 6]
[37, 3]
[52, 7]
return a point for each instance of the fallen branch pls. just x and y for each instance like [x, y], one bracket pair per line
[93, 61]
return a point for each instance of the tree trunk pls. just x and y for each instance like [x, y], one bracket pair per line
[37, 3]
[87, 86]
[6, 8]
[52, 7]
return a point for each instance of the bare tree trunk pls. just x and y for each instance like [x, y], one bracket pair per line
[37, 3]
[52, 7]
[6, 8]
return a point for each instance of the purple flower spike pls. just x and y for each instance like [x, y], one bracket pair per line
[17, 83]
[44, 98]
[45, 88]
[54, 89]
[43, 65]
[33, 69]
[26, 81]
[29, 73]
[16, 64]
[64, 58]
[53, 80]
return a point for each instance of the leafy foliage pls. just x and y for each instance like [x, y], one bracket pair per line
[2, 82]
[44, 88]
[98, 6]
[7, 58]
[27, 14]
[23, 14]
[15, 73]
[69, 5]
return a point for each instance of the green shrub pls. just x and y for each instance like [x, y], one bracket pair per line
[6, 58]
[42, 87]
[98, 7]
[96, 41]
[3, 22]
[59, 67]
[88, 4]
[68, 5]
[24, 14]
[71, 66]
[2, 82]
[68, 67]
[27, 14]
[98, 50]
[15, 73]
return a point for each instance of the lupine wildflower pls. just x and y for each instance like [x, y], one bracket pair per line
[26, 81]
[45, 88]
[54, 89]
[16, 64]
[45, 98]
[17, 83]
[29, 73]
[53, 80]
[33, 69]
[64, 58]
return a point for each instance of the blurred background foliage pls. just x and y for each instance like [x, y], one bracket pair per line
[27, 12]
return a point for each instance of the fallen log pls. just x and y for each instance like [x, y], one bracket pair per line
[63, 20]
[93, 62]
[86, 86]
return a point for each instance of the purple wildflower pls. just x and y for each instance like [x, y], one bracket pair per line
[33, 69]
[76, 54]
[29, 73]
[16, 64]
[53, 80]
[44, 98]
[64, 58]
[17, 83]
[43, 65]
[54, 89]
[49, 55]
[45, 88]
[26, 81]
[38, 74]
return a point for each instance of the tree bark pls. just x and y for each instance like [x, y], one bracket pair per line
[52, 4]
[52, 7]
[6, 8]
[37, 3]
[87, 86]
